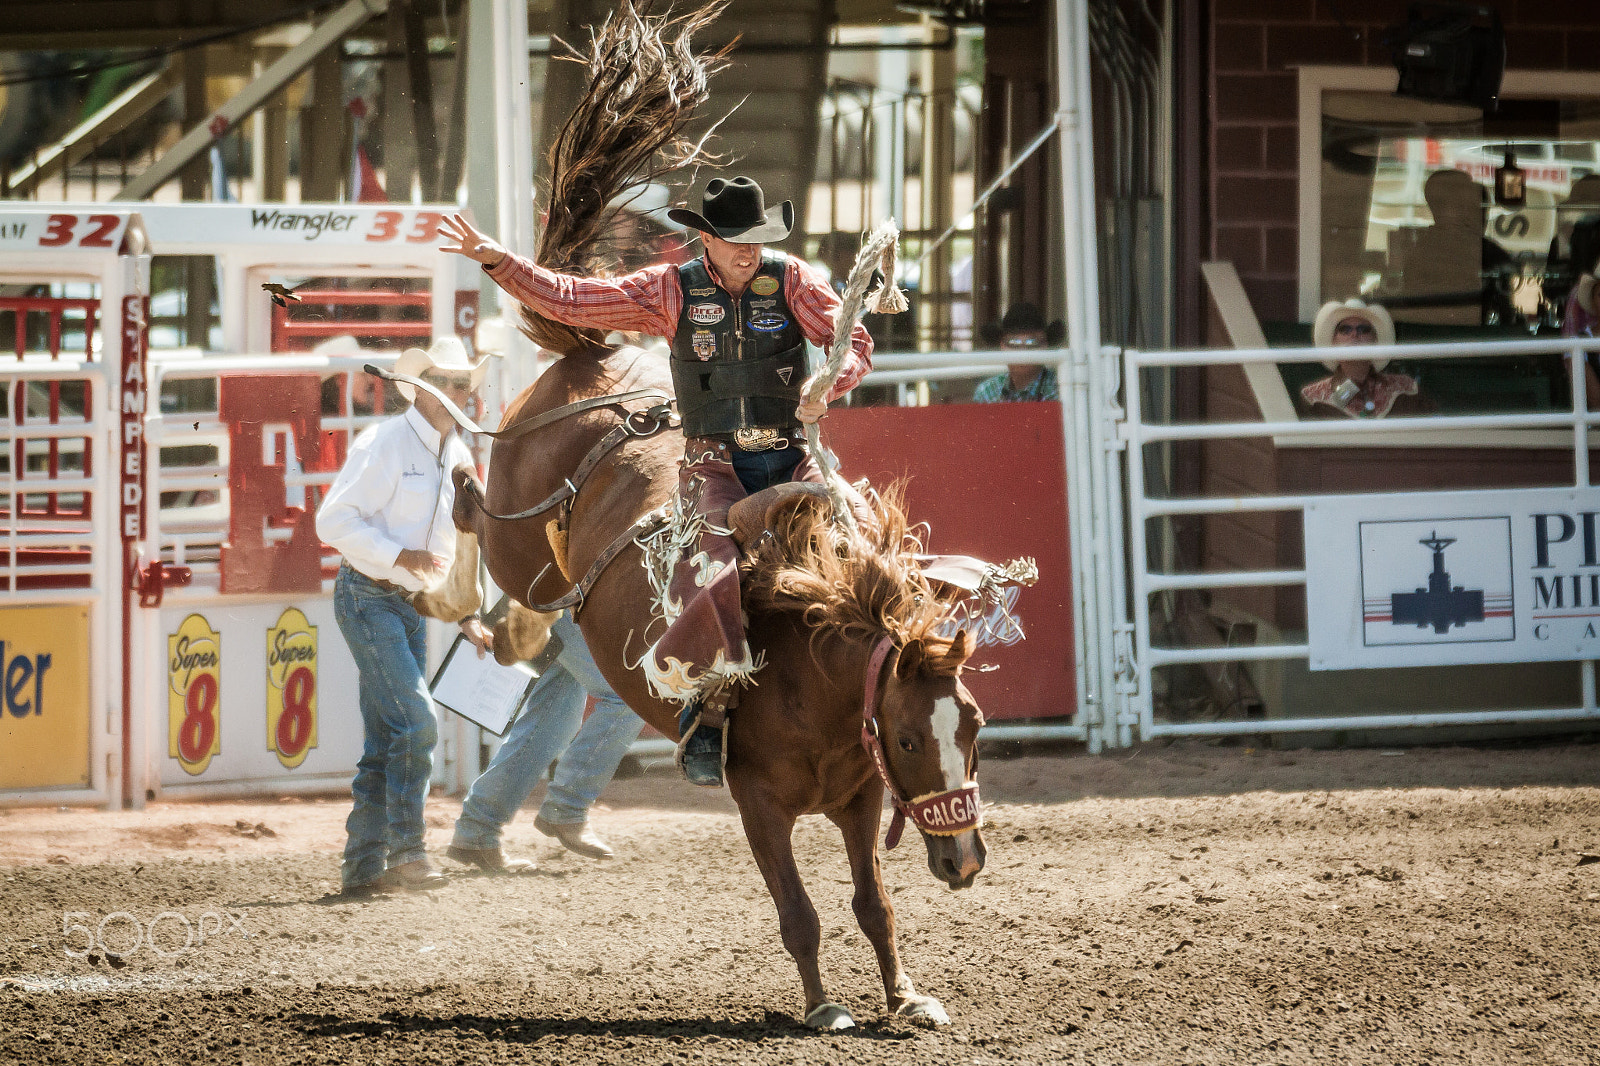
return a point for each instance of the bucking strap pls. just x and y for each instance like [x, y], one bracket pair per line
[646, 525]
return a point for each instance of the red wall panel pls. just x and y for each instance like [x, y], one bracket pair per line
[990, 481]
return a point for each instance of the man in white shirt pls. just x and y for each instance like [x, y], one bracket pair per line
[389, 514]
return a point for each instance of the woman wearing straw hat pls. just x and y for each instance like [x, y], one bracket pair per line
[1357, 388]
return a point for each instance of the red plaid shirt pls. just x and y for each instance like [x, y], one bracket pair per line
[649, 300]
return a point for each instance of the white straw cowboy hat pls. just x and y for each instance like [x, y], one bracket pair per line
[737, 212]
[447, 354]
[1335, 311]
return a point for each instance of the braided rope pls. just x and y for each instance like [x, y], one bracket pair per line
[877, 253]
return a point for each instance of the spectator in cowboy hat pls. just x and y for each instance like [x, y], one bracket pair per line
[388, 514]
[1357, 388]
[1021, 329]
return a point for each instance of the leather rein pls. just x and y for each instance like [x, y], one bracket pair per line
[944, 813]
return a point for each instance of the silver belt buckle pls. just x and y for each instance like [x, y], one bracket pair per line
[759, 439]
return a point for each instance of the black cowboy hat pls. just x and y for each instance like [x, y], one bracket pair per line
[737, 212]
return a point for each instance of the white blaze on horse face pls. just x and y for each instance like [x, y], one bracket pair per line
[946, 718]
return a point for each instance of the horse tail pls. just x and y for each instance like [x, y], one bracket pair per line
[645, 82]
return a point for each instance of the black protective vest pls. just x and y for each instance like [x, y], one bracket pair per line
[737, 365]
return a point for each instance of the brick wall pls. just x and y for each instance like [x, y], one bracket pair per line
[1255, 44]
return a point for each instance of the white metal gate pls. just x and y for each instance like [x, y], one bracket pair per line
[73, 483]
[1152, 577]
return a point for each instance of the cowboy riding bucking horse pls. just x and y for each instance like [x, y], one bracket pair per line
[738, 319]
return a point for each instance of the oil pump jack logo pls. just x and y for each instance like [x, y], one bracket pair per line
[1469, 602]
[1439, 606]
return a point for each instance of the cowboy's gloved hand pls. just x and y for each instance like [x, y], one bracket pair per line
[811, 410]
[471, 242]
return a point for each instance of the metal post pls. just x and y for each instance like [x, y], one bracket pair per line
[1577, 360]
[1088, 499]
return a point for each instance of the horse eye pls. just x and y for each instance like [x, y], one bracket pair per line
[907, 745]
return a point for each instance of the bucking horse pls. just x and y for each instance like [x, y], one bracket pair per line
[860, 691]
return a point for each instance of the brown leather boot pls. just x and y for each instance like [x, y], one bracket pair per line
[489, 860]
[415, 876]
[575, 837]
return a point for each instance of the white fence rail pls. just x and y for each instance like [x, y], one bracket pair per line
[1137, 709]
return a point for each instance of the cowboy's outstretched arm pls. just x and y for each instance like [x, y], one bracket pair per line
[471, 242]
[646, 301]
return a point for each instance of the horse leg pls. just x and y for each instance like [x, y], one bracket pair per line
[858, 822]
[770, 831]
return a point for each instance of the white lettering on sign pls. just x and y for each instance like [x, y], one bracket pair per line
[135, 311]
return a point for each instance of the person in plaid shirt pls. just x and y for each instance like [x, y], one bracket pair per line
[737, 320]
[1022, 329]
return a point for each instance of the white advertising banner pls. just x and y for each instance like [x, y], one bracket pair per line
[1444, 578]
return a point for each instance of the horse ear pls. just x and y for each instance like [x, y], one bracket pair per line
[963, 646]
[909, 660]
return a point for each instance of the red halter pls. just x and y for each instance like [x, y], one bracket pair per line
[939, 813]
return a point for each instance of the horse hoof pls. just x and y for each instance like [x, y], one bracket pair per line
[924, 1010]
[829, 1016]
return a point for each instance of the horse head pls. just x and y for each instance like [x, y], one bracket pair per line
[864, 590]
[928, 724]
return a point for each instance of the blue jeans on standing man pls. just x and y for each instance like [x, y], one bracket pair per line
[549, 727]
[387, 639]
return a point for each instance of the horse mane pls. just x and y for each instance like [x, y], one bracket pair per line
[645, 82]
[857, 584]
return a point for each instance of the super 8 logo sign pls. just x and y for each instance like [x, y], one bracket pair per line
[292, 688]
[194, 694]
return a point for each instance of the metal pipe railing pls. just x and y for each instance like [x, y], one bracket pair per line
[1146, 581]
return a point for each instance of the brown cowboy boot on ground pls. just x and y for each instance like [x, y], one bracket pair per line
[575, 837]
[416, 876]
[489, 860]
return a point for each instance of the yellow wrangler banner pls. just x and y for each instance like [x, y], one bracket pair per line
[292, 688]
[44, 697]
[194, 691]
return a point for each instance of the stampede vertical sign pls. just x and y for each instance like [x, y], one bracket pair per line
[135, 309]
[292, 688]
[194, 689]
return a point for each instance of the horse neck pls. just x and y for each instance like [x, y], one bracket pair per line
[847, 660]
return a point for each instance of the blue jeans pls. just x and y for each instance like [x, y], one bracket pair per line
[760, 470]
[548, 727]
[387, 640]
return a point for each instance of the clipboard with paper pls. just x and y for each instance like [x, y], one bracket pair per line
[481, 690]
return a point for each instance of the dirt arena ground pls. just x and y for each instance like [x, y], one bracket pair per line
[1180, 903]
